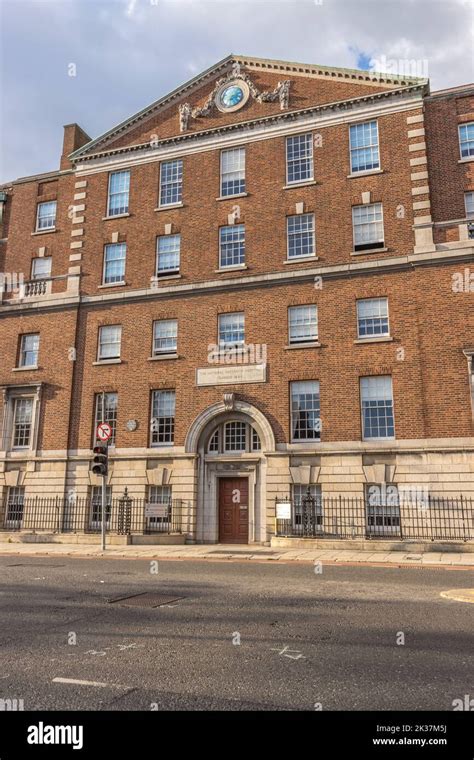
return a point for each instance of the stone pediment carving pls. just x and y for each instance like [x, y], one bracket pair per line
[235, 77]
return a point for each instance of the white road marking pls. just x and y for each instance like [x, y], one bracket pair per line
[78, 682]
[459, 595]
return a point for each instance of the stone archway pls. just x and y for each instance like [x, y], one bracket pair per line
[211, 469]
[229, 405]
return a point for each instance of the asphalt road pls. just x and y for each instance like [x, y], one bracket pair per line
[305, 637]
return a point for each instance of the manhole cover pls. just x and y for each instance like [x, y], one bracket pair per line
[459, 595]
[146, 599]
[243, 553]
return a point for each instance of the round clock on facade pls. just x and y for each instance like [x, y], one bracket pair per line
[131, 425]
[232, 96]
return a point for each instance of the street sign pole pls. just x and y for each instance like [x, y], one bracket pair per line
[104, 500]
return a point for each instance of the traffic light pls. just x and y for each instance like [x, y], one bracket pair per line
[100, 461]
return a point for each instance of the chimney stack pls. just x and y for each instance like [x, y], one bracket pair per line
[74, 138]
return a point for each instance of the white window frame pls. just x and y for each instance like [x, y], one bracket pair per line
[175, 252]
[312, 232]
[317, 408]
[379, 300]
[311, 159]
[122, 258]
[16, 401]
[292, 310]
[49, 226]
[41, 260]
[14, 505]
[380, 508]
[469, 211]
[372, 245]
[238, 244]
[104, 330]
[23, 352]
[225, 345]
[218, 435]
[240, 435]
[110, 195]
[358, 149]
[10, 395]
[470, 156]
[366, 437]
[162, 495]
[178, 183]
[155, 418]
[173, 335]
[239, 171]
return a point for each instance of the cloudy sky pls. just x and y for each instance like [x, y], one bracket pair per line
[128, 53]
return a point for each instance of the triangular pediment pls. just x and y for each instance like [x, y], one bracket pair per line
[236, 90]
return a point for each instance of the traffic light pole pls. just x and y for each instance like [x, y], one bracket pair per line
[104, 486]
[104, 501]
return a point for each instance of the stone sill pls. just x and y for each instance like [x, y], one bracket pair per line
[369, 251]
[306, 183]
[106, 361]
[231, 197]
[25, 369]
[235, 268]
[45, 232]
[367, 173]
[116, 216]
[375, 339]
[157, 280]
[311, 344]
[112, 284]
[162, 357]
[374, 440]
[169, 206]
[300, 259]
[466, 160]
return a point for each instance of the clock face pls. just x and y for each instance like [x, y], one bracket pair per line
[232, 96]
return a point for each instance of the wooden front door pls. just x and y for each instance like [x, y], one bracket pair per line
[233, 510]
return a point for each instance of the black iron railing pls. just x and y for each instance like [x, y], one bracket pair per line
[124, 515]
[433, 518]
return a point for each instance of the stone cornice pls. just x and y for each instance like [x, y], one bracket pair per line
[283, 450]
[272, 279]
[336, 109]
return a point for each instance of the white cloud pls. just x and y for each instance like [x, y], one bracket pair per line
[128, 53]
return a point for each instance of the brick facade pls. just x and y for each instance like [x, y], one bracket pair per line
[424, 268]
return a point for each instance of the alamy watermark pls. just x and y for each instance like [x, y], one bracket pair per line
[246, 353]
[12, 282]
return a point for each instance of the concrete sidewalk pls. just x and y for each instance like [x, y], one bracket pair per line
[229, 552]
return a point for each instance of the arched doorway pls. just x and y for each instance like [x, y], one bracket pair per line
[231, 439]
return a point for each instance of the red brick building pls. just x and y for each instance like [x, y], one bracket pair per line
[269, 274]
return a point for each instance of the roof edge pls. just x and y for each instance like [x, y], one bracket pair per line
[244, 60]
